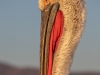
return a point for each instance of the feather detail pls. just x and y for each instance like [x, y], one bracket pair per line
[74, 18]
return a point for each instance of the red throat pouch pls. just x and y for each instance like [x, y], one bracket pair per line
[55, 36]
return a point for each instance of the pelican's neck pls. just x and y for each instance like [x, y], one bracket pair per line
[74, 17]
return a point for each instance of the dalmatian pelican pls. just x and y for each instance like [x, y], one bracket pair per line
[62, 24]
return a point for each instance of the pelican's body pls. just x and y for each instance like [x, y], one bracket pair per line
[74, 18]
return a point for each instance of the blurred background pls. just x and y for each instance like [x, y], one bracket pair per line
[20, 33]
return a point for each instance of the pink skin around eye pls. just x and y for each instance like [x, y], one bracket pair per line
[54, 39]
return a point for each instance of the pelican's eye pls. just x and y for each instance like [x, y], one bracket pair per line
[46, 2]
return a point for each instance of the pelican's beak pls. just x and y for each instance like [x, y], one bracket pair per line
[47, 20]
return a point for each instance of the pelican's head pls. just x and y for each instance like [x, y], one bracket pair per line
[43, 3]
[62, 22]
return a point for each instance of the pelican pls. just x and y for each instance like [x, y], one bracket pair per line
[62, 24]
